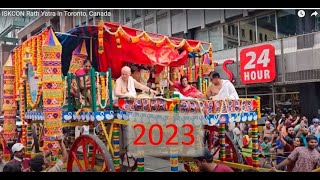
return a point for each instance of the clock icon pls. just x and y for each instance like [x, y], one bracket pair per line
[301, 13]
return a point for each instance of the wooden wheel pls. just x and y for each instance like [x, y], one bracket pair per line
[88, 152]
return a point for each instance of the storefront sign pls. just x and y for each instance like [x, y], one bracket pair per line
[257, 64]
[226, 70]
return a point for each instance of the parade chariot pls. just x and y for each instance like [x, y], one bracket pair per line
[39, 75]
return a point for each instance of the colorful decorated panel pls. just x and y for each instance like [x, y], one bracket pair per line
[208, 112]
[35, 115]
[206, 107]
[87, 116]
[195, 119]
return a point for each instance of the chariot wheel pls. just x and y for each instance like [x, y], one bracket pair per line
[89, 153]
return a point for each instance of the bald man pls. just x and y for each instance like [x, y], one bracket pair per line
[125, 85]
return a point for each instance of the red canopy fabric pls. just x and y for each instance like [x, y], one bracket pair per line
[141, 52]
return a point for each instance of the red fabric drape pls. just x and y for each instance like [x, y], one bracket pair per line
[141, 52]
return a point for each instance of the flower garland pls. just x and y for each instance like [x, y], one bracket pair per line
[39, 62]
[15, 64]
[103, 88]
[65, 101]
[100, 37]
[211, 54]
[22, 113]
[98, 88]
[27, 55]
[34, 51]
[156, 41]
[204, 86]
[103, 95]
[29, 100]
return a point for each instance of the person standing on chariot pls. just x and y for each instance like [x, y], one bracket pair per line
[220, 89]
[80, 72]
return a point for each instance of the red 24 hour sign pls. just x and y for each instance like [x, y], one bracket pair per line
[257, 64]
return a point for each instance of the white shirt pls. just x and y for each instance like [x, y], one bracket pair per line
[227, 91]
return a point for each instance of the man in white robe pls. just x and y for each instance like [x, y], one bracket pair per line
[125, 85]
[220, 89]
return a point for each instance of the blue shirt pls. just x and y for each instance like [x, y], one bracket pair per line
[279, 144]
[304, 138]
[318, 137]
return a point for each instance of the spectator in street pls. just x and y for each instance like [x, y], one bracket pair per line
[267, 130]
[266, 147]
[288, 148]
[313, 128]
[18, 151]
[273, 120]
[289, 138]
[237, 135]
[2, 163]
[303, 133]
[282, 119]
[303, 122]
[12, 167]
[306, 158]
[247, 148]
[206, 164]
[278, 149]
[40, 163]
[290, 121]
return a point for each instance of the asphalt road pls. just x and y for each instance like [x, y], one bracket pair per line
[153, 164]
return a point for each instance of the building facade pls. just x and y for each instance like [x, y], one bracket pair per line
[296, 42]
[9, 27]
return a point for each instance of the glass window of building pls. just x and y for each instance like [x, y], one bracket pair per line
[90, 21]
[202, 35]
[148, 11]
[176, 11]
[287, 98]
[179, 35]
[266, 26]
[215, 37]
[251, 35]
[260, 37]
[83, 20]
[137, 13]
[231, 37]
[317, 21]
[243, 33]
[249, 28]
[287, 21]
[116, 15]
[106, 18]
[127, 15]
[265, 93]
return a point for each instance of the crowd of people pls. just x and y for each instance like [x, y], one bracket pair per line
[39, 163]
[286, 143]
